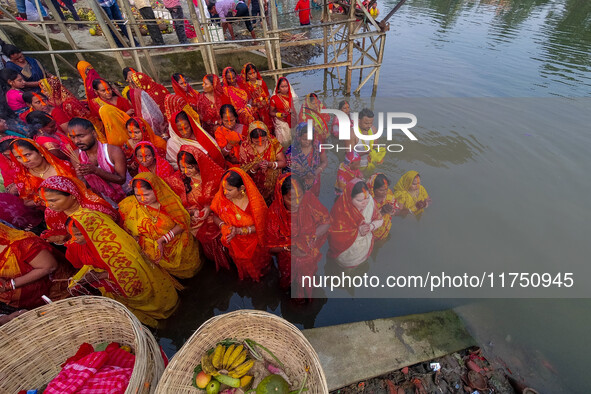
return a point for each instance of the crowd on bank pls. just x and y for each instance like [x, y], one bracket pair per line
[138, 188]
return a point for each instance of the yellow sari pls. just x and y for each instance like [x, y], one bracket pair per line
[114, 120]
[143, 288]
[383, 231]
[181, 255]
[403, 195]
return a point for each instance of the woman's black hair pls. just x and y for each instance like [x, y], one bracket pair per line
[286, 186]
[209, 78]
[250, 67]
[280, 81]
[24, 144]
[342, 104]
[234, 179]
[314, 95]
[60, 192]
[5, 145]
[177, 76]
[230, 69]
[228, 107]
[142, 183]
[181, 116]
[146, 146]
[189, 159]
[358, 188]
[38, 119]
[380, 181]
[98, 82]
[130, 121]
[10, 50]
[126, 71]
[68, 221]
[8, 74]
[28, 97]
[256, 133]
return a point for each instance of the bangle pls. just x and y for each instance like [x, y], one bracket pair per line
[13, 284]
[169, 236]
[244, 230]
[275, 165]
[221, 224]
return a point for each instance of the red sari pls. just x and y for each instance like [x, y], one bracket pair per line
[247, 250]
[56, 220]
[147, 135]
[200, 196]
[8, 168]
[296, 230]
[190, 95]
[147, 84]
[57, 141]
[312, 110]
[164, 170]
[89, 74]
[210, 112]
[239, 99]
[258, 94]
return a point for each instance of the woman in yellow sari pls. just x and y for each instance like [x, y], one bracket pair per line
[379, 188]
[110, 260]
[411, 194]
[156, 217]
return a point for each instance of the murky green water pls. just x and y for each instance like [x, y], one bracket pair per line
[516, 193]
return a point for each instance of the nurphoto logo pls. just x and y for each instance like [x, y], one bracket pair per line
[369, 135]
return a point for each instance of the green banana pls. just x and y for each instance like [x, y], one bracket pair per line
[228, 380]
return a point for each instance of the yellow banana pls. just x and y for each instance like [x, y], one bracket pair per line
[234, 356]
[227, 356]
[217, 356]
[239, 360]
[242, 369]
[207, 366]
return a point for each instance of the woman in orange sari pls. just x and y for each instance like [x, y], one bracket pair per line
[62, 196]
[353, 220]
[137, 131]
[210, 102]
[26, 263]
[258, 93]
[311, 110]
[240, 214]
[283, 110]
[59, 96]
[35, 164]
[379, 189]
[297, 224]
[202, 177]
[229, 135]
[111, 260]
[88, 75]
[184, 130]
[144, 82]
[238, 97]
[106, 95]
[149, 160]
[182, 88]
[156, 217]
[261, 155]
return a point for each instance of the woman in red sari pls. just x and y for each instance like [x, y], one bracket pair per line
[210, 102]
[238, 97]
[297, 224]
[34, 165]
[353, 220]
[49, 136]
[149, 160]
[229, 135]
[258, 93]
[26, 262]
[261, 156]
[186, 131]
[146, 108]
[283, 110]
[58, 191]
[137, 131]
[88, 75]
[311, 110]
[8, 167]
[202, 177]
[182, 88]
[241, 213]
[144, 82]
[379, 189]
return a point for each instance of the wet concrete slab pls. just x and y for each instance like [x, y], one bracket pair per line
[357, 351]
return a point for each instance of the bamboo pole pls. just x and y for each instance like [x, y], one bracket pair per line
[44, 28]
[350, 48]
[380, 59]
[268, 47]
[64, 28]
[197, 26]
[209, 48]
[98, 11]
[275, 33]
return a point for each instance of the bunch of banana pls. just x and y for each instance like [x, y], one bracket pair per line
[231, 361]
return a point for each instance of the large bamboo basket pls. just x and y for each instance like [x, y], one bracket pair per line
[35, 344]
[275, 333]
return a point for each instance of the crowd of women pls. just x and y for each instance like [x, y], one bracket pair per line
[137, 189]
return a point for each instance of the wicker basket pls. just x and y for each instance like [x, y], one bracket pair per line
[35, 344]
[275, 333]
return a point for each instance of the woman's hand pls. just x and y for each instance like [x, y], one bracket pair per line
[387, 209]
[58, 239]
[5, 285]
[233, 232]
[131, 112]
[12, 189]
[264, 165]
[161, 241]
[364, 229]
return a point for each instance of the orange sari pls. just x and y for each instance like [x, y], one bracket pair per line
[248, 251]
[181, 255]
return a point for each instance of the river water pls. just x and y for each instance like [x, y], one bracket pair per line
[503, 151]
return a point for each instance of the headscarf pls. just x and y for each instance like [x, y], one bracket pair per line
[9, 235]
[163, 168]
[154, 89]
[203, 141]
[8, 168]
[311, 111]
[114, 120]
[170, 203]
[211, 173]
[402, 191]
[256, 204]
[291, 101]
[88, 74]
[190, 96]
[244, 81]
[148, 135]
